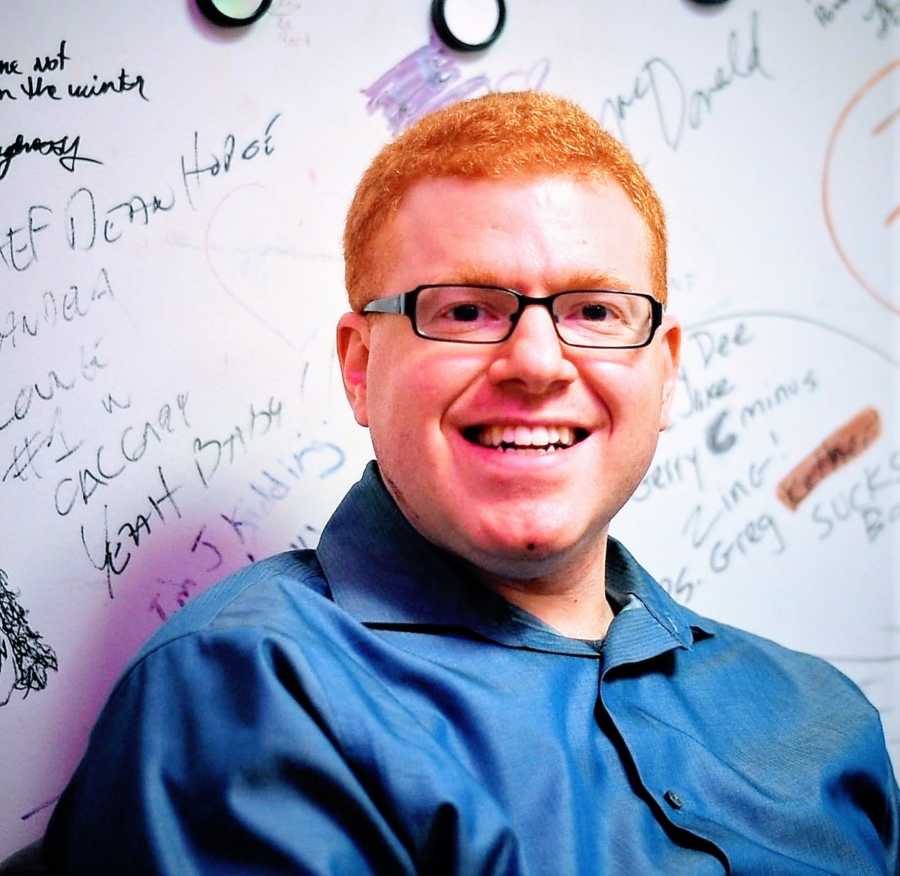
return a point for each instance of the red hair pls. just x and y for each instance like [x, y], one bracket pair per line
[499, 136]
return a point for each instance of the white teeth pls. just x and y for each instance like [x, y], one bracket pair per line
[543, 438]
[523, 436]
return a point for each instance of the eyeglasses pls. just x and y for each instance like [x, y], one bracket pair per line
[476, 314]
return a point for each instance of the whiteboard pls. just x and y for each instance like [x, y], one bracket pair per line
[170, 403]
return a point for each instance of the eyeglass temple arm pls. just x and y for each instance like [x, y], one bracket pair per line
[395, 304]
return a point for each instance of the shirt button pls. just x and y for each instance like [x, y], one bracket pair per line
[673, 799]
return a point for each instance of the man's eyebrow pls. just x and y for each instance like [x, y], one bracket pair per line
[480, 276]
[593, 280]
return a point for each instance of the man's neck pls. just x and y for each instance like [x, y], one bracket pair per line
[572, 599]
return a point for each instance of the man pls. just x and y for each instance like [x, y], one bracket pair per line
[469, 676]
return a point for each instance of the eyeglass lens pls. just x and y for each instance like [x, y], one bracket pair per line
[483, 315]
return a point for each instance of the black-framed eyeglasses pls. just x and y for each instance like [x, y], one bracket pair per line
[477, 314]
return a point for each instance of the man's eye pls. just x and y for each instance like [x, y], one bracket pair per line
[465, 312]
[595, 312]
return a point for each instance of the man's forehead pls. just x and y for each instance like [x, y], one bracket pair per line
[423, 225]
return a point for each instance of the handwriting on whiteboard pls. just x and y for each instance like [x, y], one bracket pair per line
[836, 450]
[34, 83]
[885, 13]
[677, 107]
[24, 658]
[82, 224]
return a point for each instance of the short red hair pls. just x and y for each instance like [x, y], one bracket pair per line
[499, 136]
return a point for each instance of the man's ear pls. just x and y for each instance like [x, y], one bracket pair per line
[353, 354]
[670, 352]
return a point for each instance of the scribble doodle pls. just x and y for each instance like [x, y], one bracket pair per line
[860, 226]
[24, 658]
[421, 83]
[842, 445]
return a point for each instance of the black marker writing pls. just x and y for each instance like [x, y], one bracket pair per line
[54, 309]
[18, 250]
[24, 658]
[675, 106]
[98, 87]
[133, 530]
[193, 172]
[64, 148]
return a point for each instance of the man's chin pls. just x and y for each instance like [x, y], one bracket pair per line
[520, 559]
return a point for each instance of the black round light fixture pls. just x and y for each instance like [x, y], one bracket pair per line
[468, 25]
[233, 13]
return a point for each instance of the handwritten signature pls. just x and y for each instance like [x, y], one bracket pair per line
[64, 148]
[678, 109]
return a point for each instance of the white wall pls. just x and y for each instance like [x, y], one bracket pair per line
[181, 411]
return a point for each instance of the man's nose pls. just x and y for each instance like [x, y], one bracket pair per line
[533, 355]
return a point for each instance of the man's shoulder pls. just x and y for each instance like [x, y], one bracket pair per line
[790, 691]
[730, 664]
[280, 594]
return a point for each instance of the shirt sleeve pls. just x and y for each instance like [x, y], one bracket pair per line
[887, 816]
[216, 754]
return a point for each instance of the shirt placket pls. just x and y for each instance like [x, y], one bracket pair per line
[637, 637]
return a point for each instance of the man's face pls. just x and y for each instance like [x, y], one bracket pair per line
[427, 403]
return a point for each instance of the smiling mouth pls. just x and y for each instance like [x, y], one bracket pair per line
[525, 439]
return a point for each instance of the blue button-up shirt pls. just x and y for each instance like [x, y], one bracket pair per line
[370, 708]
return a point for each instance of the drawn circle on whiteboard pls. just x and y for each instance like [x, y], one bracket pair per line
[233, 13]
[858, 200]
[468, 25]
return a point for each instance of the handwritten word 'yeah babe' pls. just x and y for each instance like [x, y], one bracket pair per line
[136, 529]
[210, 454]
[677, 108]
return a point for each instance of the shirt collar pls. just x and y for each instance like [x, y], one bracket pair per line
[384, 573]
